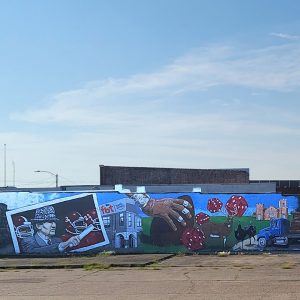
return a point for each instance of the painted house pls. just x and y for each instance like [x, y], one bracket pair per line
[272, 212]
[122, 223]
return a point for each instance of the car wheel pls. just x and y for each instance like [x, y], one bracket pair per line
[262, 242]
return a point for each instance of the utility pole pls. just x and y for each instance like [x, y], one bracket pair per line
[4, 165]
[14, 173]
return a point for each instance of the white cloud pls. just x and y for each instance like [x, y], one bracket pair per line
[174, 117]
[274, 68]
[286, 36]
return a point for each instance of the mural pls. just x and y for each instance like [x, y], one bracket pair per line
[75, 222]
[57, 226]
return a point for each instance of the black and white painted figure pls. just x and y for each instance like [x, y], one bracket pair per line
[44, 240]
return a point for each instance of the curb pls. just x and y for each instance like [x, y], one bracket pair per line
[94, 266]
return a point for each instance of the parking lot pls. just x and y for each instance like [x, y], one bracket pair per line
[262, 276]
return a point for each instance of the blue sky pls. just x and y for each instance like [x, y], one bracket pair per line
[191, 84]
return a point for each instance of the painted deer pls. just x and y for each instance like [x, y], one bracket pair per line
[218, 230]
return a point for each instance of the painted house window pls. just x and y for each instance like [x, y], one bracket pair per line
[138, 222]
[121, 219]
[106, 221]
[129, 220]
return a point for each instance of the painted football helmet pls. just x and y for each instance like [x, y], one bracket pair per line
[91, 217]
[23, 228]
[75, 223]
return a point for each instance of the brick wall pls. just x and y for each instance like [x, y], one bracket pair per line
[111, 175]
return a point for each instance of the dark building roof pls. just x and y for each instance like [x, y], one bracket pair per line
[288, 187]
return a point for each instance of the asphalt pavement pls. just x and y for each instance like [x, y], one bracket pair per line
[152, 276]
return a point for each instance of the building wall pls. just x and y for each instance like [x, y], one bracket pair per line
[169, 222]
[112, 175]
[259, 211]
[271, 213]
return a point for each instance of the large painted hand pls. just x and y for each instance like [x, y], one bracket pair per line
[169, 209]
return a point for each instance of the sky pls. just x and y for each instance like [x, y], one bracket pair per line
[162, 83]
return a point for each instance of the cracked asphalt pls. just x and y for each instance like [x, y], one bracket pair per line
[262, 276]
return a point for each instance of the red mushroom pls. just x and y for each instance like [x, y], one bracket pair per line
[193, 238]
[214, 205]
[202, 218]
[236, 206]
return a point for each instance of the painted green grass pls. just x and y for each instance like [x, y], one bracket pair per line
[231, 240]
[211, 244]
[146, 223]
[148, 248]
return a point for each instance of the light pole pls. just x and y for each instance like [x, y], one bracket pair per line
[56, 175]
[4, 165]
[14, 173]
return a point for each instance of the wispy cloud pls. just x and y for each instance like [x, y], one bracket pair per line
[274, 68]
[286, 36]
[175, 116]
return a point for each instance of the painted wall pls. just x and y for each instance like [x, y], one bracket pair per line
[78, 222]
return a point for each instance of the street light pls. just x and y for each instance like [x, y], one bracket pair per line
[56, 175]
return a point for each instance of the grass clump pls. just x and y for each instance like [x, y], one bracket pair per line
[95, 267]
[106, 253]
[154, 266]
[223, 254]
[288, 265]
[247, 267]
